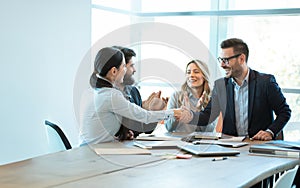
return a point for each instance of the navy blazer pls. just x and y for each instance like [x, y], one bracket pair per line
[265, 97]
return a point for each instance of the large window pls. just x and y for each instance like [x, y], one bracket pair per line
[270, 30]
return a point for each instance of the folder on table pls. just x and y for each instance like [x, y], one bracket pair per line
[273, 150]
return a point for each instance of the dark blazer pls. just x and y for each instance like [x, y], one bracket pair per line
[265, 97]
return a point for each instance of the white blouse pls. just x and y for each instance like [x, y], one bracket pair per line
[101, 112]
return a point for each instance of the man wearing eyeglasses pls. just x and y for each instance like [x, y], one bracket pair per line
[246, 98]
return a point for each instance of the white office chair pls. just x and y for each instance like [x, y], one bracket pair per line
[286, 179]
[57, 140]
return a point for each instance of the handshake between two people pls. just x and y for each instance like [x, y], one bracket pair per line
[183, 114]
[156, 102]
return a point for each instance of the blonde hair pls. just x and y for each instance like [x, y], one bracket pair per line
[206, 85]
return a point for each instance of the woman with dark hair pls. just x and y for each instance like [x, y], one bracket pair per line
[104, 106]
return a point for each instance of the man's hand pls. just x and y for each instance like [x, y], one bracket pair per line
[154, 102]
[262, 135]
[146, 103]
[183, 114]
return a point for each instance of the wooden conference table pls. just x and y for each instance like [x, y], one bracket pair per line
[82, 167]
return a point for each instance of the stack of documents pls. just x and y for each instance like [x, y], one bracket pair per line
[207, 135]
[277, 148]
[202, 135]
[216, 139]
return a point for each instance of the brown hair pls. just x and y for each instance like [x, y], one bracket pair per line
[238, 45]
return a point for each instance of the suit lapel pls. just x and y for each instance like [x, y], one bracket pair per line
[230, 102]
[252, 86]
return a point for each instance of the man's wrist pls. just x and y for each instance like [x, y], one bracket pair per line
[271, 132]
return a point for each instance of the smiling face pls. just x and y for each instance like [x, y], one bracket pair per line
[194, 76]
[233, 68]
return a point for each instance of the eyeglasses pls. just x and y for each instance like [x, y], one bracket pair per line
[226, 59]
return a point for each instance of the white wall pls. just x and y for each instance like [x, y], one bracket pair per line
[42, 43]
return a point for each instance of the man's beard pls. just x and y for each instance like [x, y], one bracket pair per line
[128, 80]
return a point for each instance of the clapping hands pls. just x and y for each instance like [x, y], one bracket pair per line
[154, 102]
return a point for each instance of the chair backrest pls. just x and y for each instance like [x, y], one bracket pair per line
[57, 140]
[286, 179]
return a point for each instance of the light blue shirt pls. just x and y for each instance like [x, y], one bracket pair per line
[241, 105]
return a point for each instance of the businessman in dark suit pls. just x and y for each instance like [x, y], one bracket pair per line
[130, 128]
[246, 98]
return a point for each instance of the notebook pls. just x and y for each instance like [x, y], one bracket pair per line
[208, 150]
[273, 150]
[156, 144]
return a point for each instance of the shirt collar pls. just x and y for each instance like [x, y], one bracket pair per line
[246, 80]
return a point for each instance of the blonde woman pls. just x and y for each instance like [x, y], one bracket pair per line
[194, 94]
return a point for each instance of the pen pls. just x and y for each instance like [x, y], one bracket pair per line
[219, 158]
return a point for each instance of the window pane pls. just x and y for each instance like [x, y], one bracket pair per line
[162, 68]
[116, 4]
[294, 101]
[175, 5]
[101, 25]
[273, 44]
[198, 26]
[263, 4]
[171, 60]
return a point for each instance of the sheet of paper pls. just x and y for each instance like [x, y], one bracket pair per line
[233, 139]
